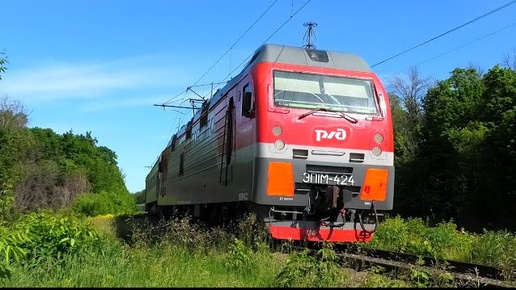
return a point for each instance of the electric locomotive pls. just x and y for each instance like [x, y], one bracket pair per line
[301, 137]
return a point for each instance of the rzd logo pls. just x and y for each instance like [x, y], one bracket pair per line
[339, 134]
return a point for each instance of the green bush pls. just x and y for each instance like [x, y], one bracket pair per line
[415, 237]
[304, 270]
[93, 204]
[11, 249]
[6, 199]
[445, 241]
[240, 256]
[56, 234]
[394, 234]
[495, 248]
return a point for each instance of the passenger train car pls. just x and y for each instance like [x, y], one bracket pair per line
[301, 137]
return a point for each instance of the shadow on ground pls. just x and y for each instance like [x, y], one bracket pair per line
[128, 228]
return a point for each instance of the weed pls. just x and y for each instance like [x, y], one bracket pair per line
[11, 249]
[104, 202]
[445, 241]
[239, 255]
[374, 280]
[495, 248]
[303, 270]
[419, 277]
[56, 234]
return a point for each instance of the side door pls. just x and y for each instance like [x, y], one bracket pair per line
[246, 142]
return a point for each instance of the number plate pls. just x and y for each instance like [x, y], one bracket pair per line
[330, 179]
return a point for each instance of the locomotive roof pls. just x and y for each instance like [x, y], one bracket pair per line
[310, 57]
[290, 55]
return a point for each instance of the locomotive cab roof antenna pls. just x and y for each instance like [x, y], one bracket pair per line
[309, 34]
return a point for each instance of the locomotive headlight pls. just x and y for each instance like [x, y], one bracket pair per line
[279, 144]
[276, 130]
[378, 138]
[376, 150]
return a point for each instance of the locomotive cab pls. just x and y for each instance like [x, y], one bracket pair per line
[325, 147]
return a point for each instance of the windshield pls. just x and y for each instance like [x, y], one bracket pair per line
[312, 91]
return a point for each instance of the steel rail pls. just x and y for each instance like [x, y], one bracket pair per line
[464, 274]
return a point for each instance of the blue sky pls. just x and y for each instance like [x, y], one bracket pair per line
[101, 65]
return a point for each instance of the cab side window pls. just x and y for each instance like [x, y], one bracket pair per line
[248, 101]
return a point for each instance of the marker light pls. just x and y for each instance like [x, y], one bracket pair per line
[378, 138]
[279, 144]
[276, 130]
[376, 151]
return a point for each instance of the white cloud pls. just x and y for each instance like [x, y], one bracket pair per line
[58, 80]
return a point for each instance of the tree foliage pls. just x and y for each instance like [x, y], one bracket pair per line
[12, 114]
[42, 169]
[15, 142]
[464, 166]
[3, 63]
[139, 196]
[406, 97]
[509, 60]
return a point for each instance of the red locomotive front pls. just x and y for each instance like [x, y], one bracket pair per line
[324, 147]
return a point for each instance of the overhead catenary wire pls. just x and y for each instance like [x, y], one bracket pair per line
[229, 49]
[224, 54]
[292, 15]
[445, 33]
[459, 47]
[376, 64]
[247, 58]
[270, 36]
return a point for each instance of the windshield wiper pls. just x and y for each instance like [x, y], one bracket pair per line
[311, 112]
[341, 114]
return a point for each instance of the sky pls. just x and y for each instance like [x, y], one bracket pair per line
[100, 66]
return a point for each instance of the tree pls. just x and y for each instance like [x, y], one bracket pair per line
[509, 61]
[139, 196]
[405, 95]
[411, 92]
[452, 103]
[406, 104]
[498, 152]
[3, 62]
[464, 166]
[450, 108]
[14, 146]
[500, 94]
[12, 114]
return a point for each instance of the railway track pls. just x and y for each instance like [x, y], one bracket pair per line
[464, 274]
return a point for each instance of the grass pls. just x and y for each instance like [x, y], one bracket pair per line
[148, 262]
[166, 266]
[133, 252]
[445, 241]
